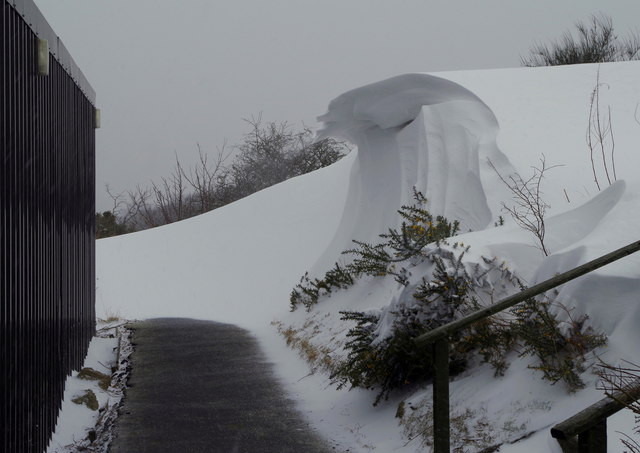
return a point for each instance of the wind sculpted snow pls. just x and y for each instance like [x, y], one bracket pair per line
[414, 130]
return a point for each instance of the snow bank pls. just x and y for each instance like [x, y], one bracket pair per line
[236, 264]
[239, 263]
[81, 427]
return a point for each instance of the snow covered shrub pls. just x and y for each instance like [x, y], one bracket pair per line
[559, 347]
[382, 354]
[308, 291]
[531, 329]
[419, 228]
[439, 283]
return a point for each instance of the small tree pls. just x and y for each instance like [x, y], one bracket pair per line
[596, 42]
[107, 225]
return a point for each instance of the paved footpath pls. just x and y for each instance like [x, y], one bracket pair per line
[199, 386]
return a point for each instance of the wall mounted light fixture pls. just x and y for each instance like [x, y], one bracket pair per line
[43, 57]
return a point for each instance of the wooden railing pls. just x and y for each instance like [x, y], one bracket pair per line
[590, 425]
[438, 338]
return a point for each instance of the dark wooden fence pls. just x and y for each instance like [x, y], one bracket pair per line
[47, 157]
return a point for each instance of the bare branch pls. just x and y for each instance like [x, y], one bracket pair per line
[624, 381]
[600, 135]
[528, 209]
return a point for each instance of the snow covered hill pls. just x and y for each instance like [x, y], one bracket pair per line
[239, 263]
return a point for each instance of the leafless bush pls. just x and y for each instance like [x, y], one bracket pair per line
[528, 208]
[596, 42]
[161, 203]
[273, 153]
[269, 153]
[600, 139]
[206, 178]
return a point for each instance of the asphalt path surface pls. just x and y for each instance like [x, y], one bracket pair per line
[200, 386]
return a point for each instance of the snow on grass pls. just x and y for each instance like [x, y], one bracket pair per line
[239, 263]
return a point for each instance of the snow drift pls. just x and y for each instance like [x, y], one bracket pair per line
[413, 130]
[239, 263]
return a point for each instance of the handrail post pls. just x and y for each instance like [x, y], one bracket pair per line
[594, 440]
[441, 396]
[590, 424]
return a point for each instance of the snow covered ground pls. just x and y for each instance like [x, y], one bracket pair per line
[81, 426]
[239, 263]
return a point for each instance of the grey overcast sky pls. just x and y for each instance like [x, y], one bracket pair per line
[171, 74]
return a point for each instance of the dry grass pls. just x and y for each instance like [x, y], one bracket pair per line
[317, 356]
[104, 380]
[471, 431]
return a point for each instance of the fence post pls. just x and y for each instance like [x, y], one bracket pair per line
[590, 424]
[594, 440]
[441, 396]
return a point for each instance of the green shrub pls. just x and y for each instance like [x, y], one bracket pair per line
[418, 229]
[308, 291]
[531, 329]
[392, 361]
[395, 361]
[107, 225]
[559, 347]
[381, 353]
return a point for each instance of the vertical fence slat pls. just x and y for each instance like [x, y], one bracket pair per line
[47, 174]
